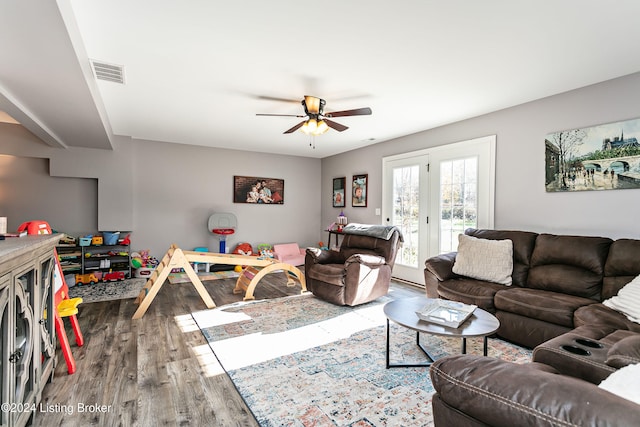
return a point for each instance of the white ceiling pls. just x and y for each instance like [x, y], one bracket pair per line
[198, 71]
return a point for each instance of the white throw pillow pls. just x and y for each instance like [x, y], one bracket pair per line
[627, 301]
[484, 259]
[624, 383]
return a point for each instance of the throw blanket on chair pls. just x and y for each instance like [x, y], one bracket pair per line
[379, 231]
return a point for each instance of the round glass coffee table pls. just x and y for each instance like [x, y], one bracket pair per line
[403, 312]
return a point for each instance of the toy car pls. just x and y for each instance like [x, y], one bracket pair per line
[86, 279]
[113, 276]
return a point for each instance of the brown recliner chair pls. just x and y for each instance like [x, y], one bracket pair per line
[360, 271]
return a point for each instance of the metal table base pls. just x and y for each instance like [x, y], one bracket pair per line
[431, 359]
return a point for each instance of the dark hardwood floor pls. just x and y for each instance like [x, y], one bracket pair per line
[157, 370]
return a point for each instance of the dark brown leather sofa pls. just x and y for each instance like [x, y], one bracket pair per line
[479, 391]
[554, 305]
[360, 271]
[558, 283]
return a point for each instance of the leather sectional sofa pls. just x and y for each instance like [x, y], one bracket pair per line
[474, 391]
[558, 282]
[553, 305]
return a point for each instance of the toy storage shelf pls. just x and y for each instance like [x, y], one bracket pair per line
[89, 259]
[70, 258]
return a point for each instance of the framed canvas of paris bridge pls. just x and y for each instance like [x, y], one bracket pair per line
[604, 157]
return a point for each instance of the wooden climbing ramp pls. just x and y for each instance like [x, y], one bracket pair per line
[248, 280]
[174, 258]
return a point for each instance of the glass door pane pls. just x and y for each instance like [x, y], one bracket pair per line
[406, 209]
[458, 200]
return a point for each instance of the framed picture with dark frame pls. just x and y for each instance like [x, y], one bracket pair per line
[338, 192]
[257, 190]
[359, 191]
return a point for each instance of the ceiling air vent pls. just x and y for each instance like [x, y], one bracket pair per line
[109, 72]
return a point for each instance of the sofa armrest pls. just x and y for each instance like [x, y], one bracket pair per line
[441, 266]
[320, 256]
[438, 269]
[496, 392]
[371, 261]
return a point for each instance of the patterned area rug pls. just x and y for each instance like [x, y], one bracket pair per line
[300, 361]
[108, 291]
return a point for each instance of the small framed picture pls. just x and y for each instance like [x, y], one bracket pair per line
[359, 191]
[338, 192]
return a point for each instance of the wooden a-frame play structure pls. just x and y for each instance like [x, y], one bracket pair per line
[248, 280]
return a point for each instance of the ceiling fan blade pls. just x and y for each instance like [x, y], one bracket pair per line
[357, 112]
[296, 127]
[280, 115]
[334, 125]
[275, 98]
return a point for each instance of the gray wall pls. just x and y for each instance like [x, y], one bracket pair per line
[26, 186]
[521, 200]
[177, 188]
[164, 193]
[111, 168]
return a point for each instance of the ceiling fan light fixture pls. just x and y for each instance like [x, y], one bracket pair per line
[314, 127]
[317, 122]
[310, 127]
[322, 127]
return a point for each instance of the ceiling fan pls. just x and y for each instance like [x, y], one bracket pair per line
[317, 121]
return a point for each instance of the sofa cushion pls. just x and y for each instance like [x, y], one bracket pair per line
[572, 265]
[624, 383]
[527, 331]
[622, 266]
[538, 304]
[627, 301]
[523, 244]
[470, 291]
[624, 352]
[617, 336]
[599, 314]
[601, 332]
[490, 260]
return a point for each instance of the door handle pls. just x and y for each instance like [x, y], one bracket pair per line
[16, 356]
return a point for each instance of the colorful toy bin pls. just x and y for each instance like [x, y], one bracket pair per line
[85, 241]
[143, 263]
[110, 238]
[144, 272]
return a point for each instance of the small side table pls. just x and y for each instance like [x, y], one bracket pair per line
[336, 233]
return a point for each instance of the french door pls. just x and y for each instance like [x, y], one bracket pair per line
[406, 201]
[433, 195]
